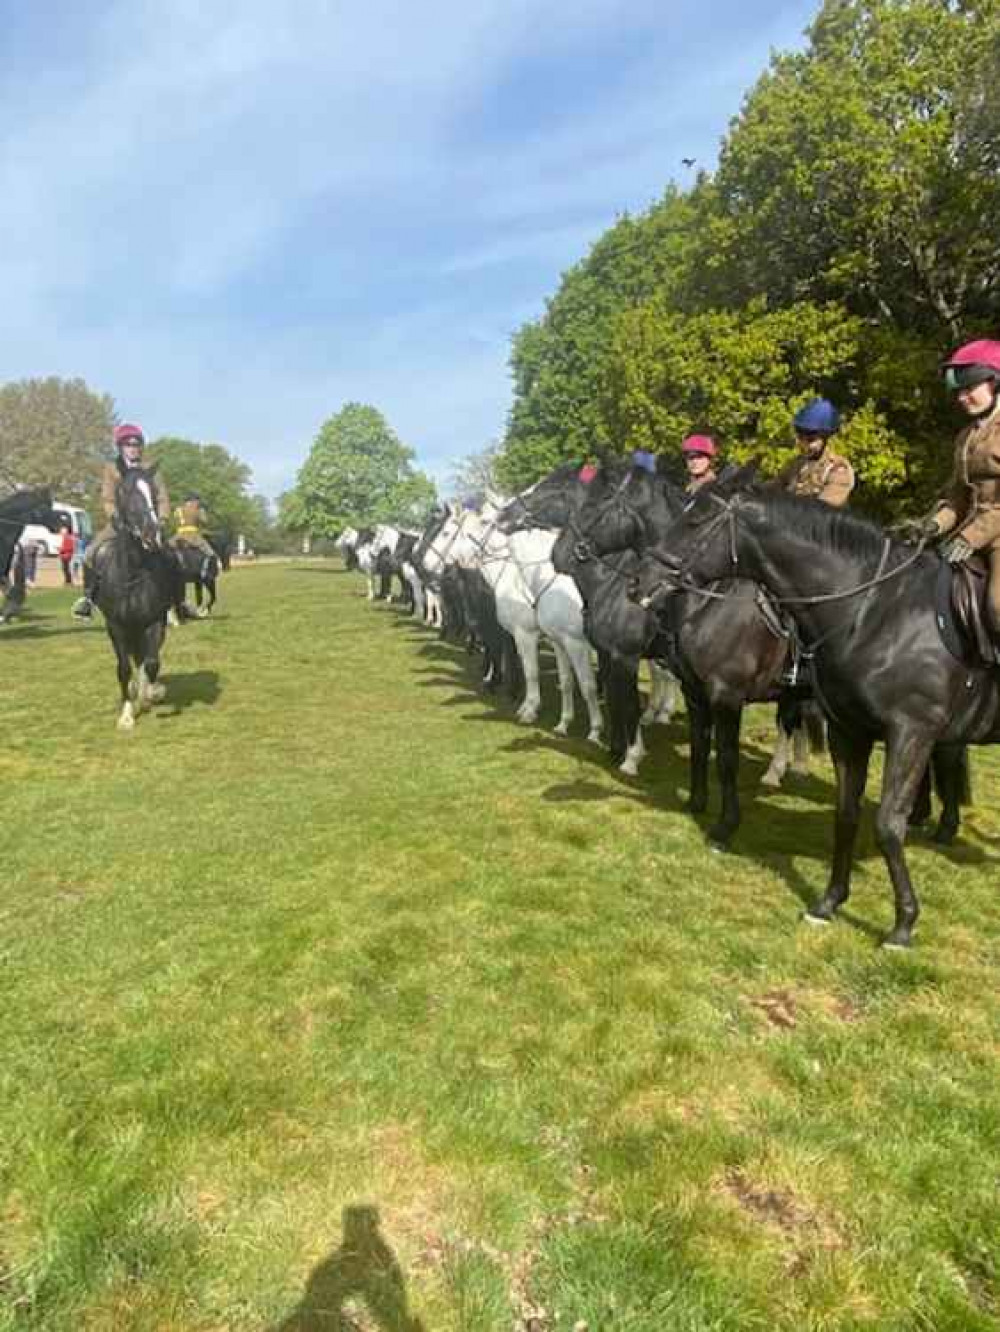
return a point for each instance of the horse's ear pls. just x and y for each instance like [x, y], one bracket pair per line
[734, 477]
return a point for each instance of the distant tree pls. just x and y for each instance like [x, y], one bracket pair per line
[54, 432]
[358, 472]
[210, 471]
[475, 474]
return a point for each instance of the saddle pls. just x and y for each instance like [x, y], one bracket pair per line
[960, 611]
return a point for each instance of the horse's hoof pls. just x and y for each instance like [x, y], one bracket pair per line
[595, 738]
[126, 723]
[811, 918]
[630, 768]
[562, 728]
[157, 693]
[771, 781]
[944, 836]
[719, 837]
[893, 943]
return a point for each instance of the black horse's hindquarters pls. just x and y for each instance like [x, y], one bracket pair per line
[881, 665]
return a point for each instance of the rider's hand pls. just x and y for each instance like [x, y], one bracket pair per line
[957, 550]
[917, 529]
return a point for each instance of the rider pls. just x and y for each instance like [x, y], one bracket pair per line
[698, 451]
[190, 519]
[969, 511]
[818, 471]
[129, 444]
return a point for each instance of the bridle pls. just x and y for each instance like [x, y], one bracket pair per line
[678, 577]
[583, 549]
[125, 523]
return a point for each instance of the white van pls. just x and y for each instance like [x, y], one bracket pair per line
[78, 521]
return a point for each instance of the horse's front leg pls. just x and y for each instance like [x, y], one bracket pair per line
[578, 652]
[150, 690]
[907, 753]
[851, 756]
[700, 738]
[527, 651]
[126, 718]
[565, 673]
[727, 757]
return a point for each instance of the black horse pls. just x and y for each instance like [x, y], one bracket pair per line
[16, 512]
[726, 653]
[137, 581]
[865, 609]
[200, 570]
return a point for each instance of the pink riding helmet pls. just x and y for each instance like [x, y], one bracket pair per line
[703, 444]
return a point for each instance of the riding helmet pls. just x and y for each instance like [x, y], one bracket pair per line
[700, 444]
[974, 363]
[127, 433]
[818, 417]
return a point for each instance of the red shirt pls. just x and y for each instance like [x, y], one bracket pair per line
[67, 546]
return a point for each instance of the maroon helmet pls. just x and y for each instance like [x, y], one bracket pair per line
[700, 444]
[128, 433]
[975, 363]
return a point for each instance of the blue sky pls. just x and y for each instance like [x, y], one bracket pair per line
[235, 217]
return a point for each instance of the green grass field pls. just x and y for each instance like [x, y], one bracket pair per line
[333, 999]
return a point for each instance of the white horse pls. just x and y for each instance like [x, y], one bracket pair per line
[531, 600]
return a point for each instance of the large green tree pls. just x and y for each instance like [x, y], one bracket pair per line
[217, 476]
[54, 432]
[847, 240]
[358, 472]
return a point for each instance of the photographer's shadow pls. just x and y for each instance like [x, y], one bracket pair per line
[362, 1270]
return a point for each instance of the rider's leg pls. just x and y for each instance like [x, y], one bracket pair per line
[83, 607]
[993, 595]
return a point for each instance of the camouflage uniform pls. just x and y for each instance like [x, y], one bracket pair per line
[970, 507]
[829, 478]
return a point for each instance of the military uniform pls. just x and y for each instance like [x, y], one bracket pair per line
[970, 507]
[190, 519]
[829, 478]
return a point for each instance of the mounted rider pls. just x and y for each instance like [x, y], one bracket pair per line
[699, 452]
[191, 520]
[818, 472]
[968, 513]
[129, 445]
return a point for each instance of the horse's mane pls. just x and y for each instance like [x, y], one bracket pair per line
[831, 529]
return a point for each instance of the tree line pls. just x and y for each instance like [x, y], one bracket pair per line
[846, 242]
[58, 432]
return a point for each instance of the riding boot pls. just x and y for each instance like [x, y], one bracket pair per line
[83, 607]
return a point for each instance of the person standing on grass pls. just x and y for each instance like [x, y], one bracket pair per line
[67, 551]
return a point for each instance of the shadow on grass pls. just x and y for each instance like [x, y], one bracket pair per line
[363, 1270]
[184, 691]
[33, 627]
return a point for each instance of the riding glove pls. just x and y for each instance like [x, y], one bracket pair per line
[957, 550]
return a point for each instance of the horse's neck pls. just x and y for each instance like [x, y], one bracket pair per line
[793, 567]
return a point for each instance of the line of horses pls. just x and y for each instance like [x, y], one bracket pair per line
[141, 579]
[735, 595]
